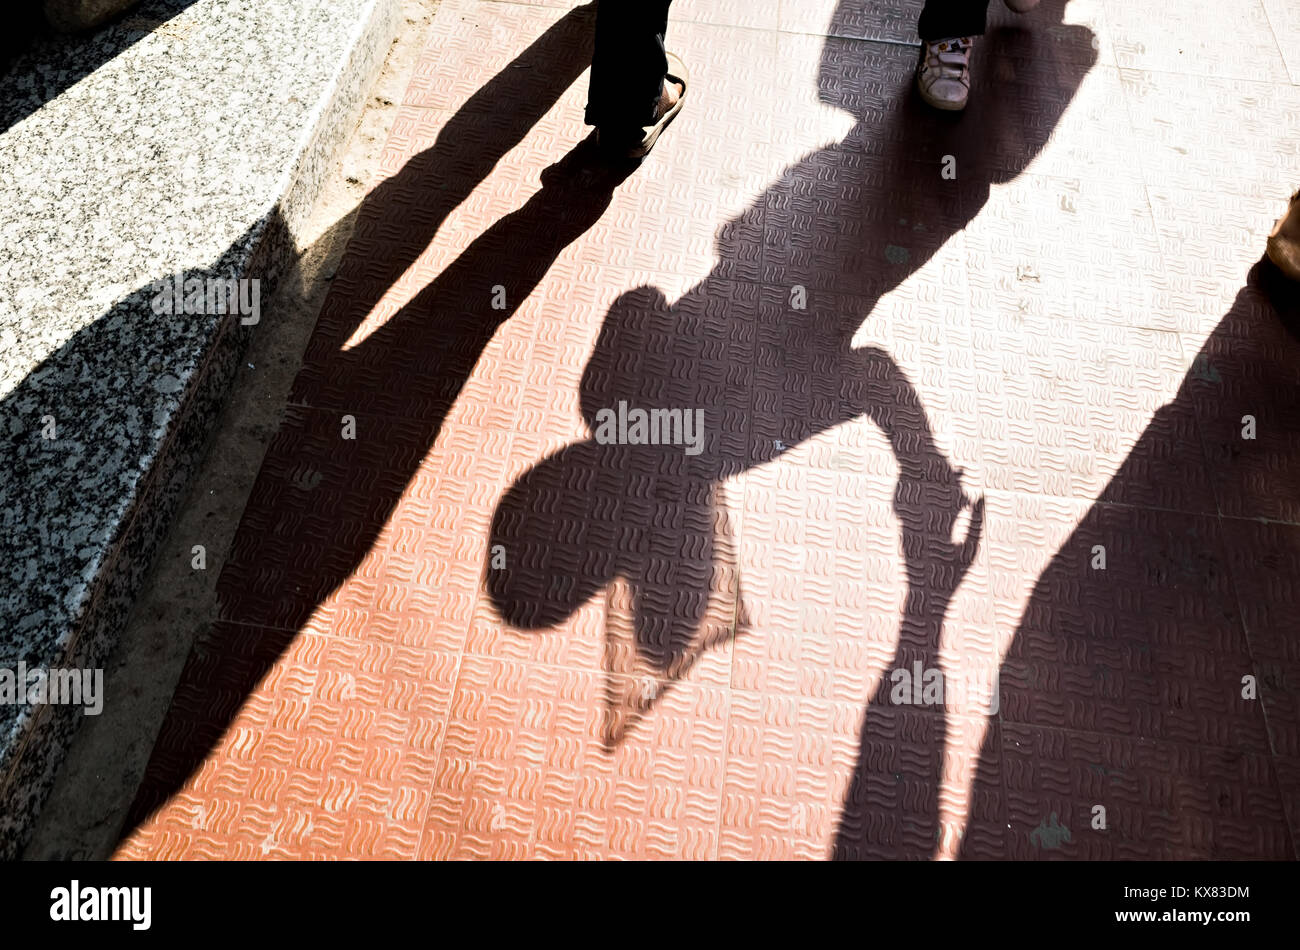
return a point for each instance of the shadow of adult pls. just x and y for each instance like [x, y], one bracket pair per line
[1122, 686]
[846, 225]
[438, 336]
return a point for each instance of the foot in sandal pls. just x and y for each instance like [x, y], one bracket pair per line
[635, 142]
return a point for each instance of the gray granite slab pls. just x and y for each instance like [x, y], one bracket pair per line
[190, 139]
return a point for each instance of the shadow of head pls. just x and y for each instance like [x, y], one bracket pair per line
[627, 383]
[861, 215]
[631, 510]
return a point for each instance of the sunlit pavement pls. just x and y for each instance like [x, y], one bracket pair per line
[998, 398]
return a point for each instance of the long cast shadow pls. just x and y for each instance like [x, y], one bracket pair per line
[1155, 643]
[440, 333]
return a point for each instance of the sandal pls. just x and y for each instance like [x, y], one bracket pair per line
[640, 141]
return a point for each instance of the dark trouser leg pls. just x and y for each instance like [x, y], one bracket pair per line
[629, 65]
[945, 18]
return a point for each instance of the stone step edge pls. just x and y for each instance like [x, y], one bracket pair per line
[30, 763]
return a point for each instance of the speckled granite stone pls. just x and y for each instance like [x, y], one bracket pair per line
[83, 14]
[194, 147]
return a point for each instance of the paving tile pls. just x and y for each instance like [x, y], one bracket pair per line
[1289, 777]
[1244, 390]
[1208, 134]
[1210, 238]
[1164, 801]
[333, 754]
[524, 772]
[1262, 558]
[1277, 686]
[741, 13]
[1199, 38]
[1040, 243]
[1139, 691]
[531, 52]
[1156, 584]
[778, 801]
[321, 503]
[1066, 403]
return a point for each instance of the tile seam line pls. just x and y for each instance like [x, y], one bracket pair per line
[1295, 79]
[1074, 499]
[1218, 78]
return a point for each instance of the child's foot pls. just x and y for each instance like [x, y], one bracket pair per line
[943, 75]
[1021, 6]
